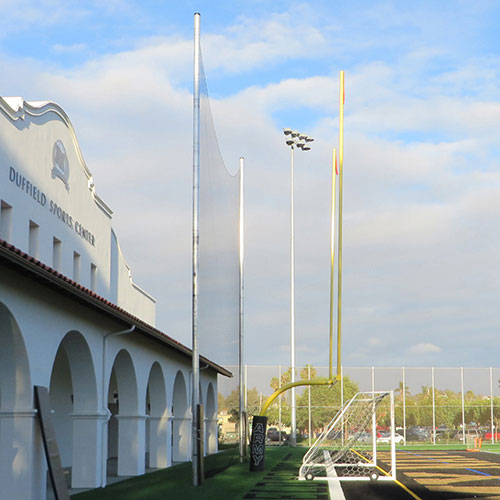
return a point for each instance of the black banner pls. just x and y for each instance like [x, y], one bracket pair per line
[258, 443]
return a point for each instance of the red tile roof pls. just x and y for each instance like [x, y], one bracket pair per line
[20, 261]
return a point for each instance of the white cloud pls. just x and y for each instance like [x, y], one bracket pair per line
[72, 48]
[421, 192]
[424, 348]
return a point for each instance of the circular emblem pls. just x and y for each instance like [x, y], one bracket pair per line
[60, 164]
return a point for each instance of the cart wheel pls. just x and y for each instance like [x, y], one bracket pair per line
[309, 476]
[373, 475]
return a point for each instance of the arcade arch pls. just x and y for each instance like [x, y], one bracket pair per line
[16, 410]
[157, 424]
[73, 397]
[181, 421]
[210, 421]
[126, 432]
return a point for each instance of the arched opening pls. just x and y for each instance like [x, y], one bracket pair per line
[181, 421]
[126, 433]
[16, 410]
[210, 422]
[157, 424]
[73, 397]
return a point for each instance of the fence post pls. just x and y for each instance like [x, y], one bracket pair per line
[342, 397]
[279, 405]
[404, 405]
[491, 407]
[433, 409]
[463, 402]
[309, 388]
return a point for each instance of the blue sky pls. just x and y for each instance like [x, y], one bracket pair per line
[422, 178]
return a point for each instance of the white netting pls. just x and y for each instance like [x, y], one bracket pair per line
[218, 274]
[348, 445]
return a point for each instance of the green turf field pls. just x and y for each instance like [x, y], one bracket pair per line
[231, 480]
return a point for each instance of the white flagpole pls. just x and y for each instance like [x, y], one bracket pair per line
[196, 251]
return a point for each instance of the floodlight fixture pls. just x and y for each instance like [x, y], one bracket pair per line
[293, 139]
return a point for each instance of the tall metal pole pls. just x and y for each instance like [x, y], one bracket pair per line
[332, 270]
[196, 250]
[242, 289]
[293, 436]
[341, 178]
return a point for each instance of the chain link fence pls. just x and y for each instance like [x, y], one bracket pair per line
[432, 405]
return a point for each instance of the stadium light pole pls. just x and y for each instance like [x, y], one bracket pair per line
[293, 139]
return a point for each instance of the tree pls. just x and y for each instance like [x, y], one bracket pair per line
[232, 403]
[325, 402]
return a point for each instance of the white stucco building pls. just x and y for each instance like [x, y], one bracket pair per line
[72, 320]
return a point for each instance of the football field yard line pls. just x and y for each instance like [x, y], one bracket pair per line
[334, 487]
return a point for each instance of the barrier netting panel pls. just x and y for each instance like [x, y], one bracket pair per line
[218, 273]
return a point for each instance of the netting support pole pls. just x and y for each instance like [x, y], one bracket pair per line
[196, 207]
[332, 268]
[339, 252]
[242, 437]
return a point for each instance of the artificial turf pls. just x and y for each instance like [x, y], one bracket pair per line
[230, 480]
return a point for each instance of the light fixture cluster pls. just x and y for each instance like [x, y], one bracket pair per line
[297, 139]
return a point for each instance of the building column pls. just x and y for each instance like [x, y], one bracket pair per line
[158, 439]
[87, 446]
[211, 435]
[18, 479]
[131, 444]
[181, 443]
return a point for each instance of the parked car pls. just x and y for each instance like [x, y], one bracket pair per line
[496, 436]
[273, 434]
[385, 437]
[416, 435]
[365, 437]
